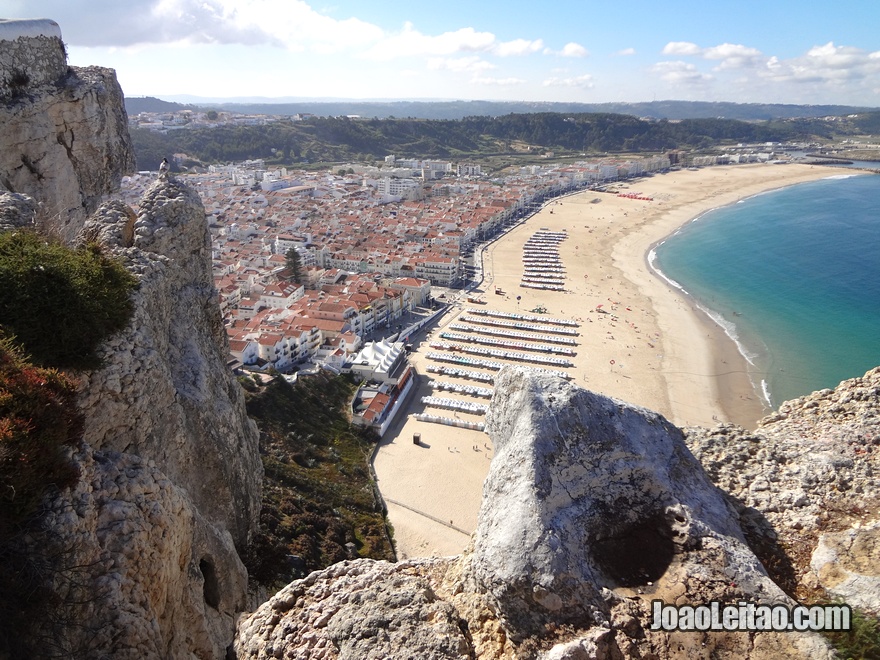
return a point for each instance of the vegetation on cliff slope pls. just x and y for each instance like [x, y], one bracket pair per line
[38, 420]
[318, 492]
[61, 303]
[56, 306]
[861, 642]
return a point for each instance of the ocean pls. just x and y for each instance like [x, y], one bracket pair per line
[793, 276]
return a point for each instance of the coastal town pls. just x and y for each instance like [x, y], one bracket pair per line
[377, 249]
[377, 252]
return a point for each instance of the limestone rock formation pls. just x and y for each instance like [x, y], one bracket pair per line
[591, 510]
[357, 610]
[142, 573]
[144, 550]
[805, 484]
[16, 210]
[166, 420]
[165, 393]
[146, 546]
[587, 493]
[65, 139]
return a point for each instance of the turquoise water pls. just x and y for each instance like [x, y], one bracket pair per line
[794, 277]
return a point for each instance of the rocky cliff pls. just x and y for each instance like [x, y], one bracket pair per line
[146, 546]
[144, 550]
[65, 138]
[593, 509]
[806, 487]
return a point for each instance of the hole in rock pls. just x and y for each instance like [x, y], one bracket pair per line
[635, 554]
[210, 587]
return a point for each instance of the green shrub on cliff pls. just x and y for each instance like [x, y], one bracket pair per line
[38, 420]
[861, 642]
[318, 492]
[61, 303]
[57, 305]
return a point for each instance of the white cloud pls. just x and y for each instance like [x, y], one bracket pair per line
[501, 82]
[574, 50]
[584, 81]
[681, 48]
[570, 49]
[827, 64]
[836, 68]
[410, 42]
[627, 51]
[293, 24]
[472, 64]
[680, 73]
[517, 47]
[734, 56]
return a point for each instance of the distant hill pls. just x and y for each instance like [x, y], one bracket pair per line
[137, 104]
[460, 109]
[343, 139]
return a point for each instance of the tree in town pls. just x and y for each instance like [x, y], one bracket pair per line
[294, 266]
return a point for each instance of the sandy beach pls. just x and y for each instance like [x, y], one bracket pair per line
[638, 339]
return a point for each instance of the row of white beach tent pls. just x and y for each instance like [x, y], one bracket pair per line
[497, 332]
[544, 279]
[456, 404]
[540, 258]
[544, 272]
[481, 376]
[488, 364]
[506, 355]
[448, 421]
[544, 287]
[492, 341]
[520, 317]
[547, 235]
[533, 327]
[543, 268]
[458, 388]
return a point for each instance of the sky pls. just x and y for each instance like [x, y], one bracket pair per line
[746, 51]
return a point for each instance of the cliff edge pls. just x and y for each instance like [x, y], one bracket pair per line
[141, 556]
[145, 547]
[592, 510]
[65, 139]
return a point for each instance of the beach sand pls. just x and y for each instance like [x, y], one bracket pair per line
[652, 347]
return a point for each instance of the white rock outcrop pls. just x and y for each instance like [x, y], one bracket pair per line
[805, 486]
[65, 139]
[591, 510]
[165, 393]
[587, 493]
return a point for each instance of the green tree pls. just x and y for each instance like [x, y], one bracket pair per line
[294, 266]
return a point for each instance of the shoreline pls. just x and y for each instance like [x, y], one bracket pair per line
[641, 340]
[728, 329]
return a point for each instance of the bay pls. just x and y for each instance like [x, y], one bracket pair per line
[794, 277]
